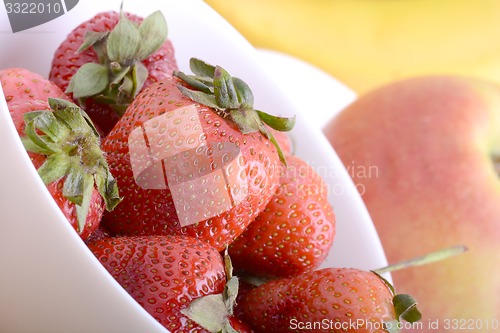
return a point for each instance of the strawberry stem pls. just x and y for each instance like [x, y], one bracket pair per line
[405, 305]
[424, 259]
[212, 312]
[120, 74]
[69, 140]
[232, 98]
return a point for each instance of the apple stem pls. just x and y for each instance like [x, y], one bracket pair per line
[496, 162]
[424, 259]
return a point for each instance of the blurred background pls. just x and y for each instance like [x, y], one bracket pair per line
[366, 43]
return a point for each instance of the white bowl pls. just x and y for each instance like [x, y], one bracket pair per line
[50, 281]
[307, 86]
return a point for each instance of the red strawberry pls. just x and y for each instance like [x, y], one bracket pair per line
[63, 146]
[112, 62]
[294, 232]
[332, 299]
[26, 91]
[164, 274]
[240, 326]
[187, 168]
[100, 233]
[285, 141]
[243, 289]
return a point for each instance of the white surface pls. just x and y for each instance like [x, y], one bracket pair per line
[50, 282]
[313, 91]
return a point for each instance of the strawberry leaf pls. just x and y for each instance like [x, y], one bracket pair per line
[124, 90]
[68, 139]
[73, 186]
[124, 41]
[118, 73]
[61, 105]
[281, 124]
[210, 312]
[224, 90]
[83, 209]
[200, 97]
[231, 96]
[276, 144]
[108, 189]
[32, 133]
[406, 308]
[228, 264]
[230, 293]
[89, 80]
[153, 31]
[201, 68]
[30, 146]
[245, 95]
[139, 76]
[247, 120]
[91, 39]
[54, 168]
[195, 82]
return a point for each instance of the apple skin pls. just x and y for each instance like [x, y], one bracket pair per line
[421, 152]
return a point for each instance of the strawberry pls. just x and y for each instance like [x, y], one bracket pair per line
[284, 140]
[107, 60]
[100, 233]
[193, 158]
[240, 326]
[244, 288]
[26, 91]
[294, 232]
[217, 312]
[164, 274]
[328, 300]
[63, 146]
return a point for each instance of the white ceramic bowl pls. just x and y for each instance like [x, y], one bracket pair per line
[307, 86]
[49, 281]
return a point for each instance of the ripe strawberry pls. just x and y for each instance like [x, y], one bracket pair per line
[63, 146]
[164, 274]
[244, 288]
[187, 168]
[331, 299]
[100, 233]
[284, 140]
[107, 60]
[294, 232]
[240, 326]
[26, 91]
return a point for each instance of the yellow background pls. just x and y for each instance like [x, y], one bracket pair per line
[366, 43]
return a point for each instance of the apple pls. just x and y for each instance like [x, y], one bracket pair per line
[424, 153]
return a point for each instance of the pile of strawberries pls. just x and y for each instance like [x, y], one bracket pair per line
[173, 180]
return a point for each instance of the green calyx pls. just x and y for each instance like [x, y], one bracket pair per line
[232, 99]
[405, 305]
[120, 73]
[212, 312]
[69, 140]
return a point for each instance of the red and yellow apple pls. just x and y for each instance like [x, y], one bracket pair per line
[425, 155]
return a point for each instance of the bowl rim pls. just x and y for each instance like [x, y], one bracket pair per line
[239, 59]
